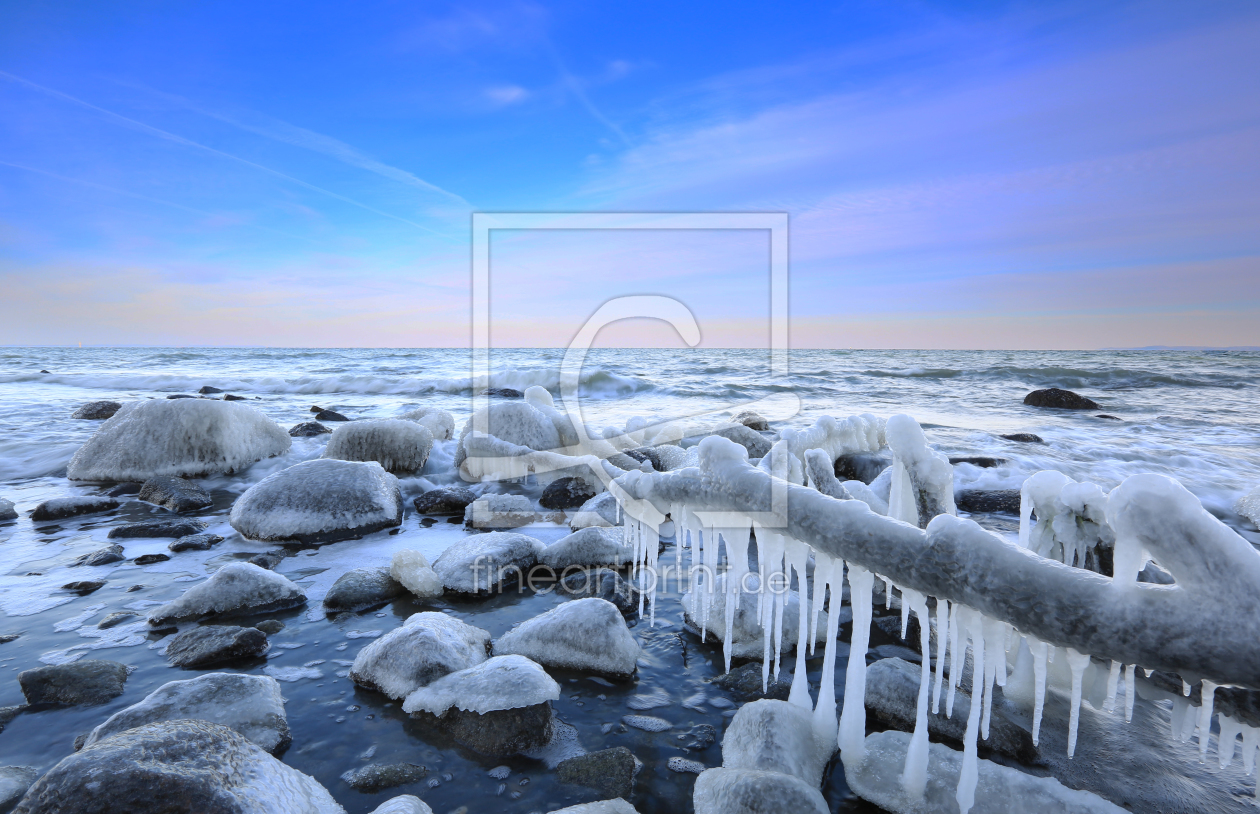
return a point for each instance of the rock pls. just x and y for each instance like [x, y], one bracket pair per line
[316, 409]
[503, 392]
[249, 705]
[97, 410]
[102, 556]
[437, 421]
[995, 501]
[746, 681]
[270, 626]
[88, 681]
[235, 588]
[188, 438]
[176, 767]
[403, 804]
[744, 791]
[330, 415]
[480, 563]
[861, 466]
[776, 736]
[600, 510]
[157, 528]
[84, 587]
[1108, 417]
[585, 634]
[697, 738]
[501, 706]
[14, 781]
[444, 500]
[1023, 438]
[532, 423]
[566, 493]
[7, 512]
[1059, 399]
[1249, 506]
[9, 637]
[756, 443]
[207, 390]
[664, 458]
[320, 501]
[268, 560]
[63, 507]
[195, 542]
[427, 647]
[174, 493]
[308, 429]
[376, 776]
[609, 771]
[150, 559]
[602, 583]
[617, 806]
[591, 546]
[752, 420]
[44, 371]
[214, 644]
[230, 397]
[362, 588]
[124, 490]
[116, 618]
[499, 512]
[181, 396]
[412, 570]
[982, 461]
[399, 446]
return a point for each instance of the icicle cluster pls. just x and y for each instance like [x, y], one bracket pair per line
[1071, 519]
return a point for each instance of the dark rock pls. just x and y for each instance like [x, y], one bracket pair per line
[890, 626]
[158, 528]
[196, 542]
[270, 626]
[330, 415]
[9, 637]
[7, 714]
[63, 507]
[150, 559]
[15, 781]
[376, 777]
[176, 494]
[609, 771]
[7, 512]
[503, 392]
[362, 588]
[213, 644]
[752, 420]
[427, 522]
[1059, 400]
[497, 734]
[44, 371]
[89, 681]
[84, 587]
[996, 501]
[207, 390]
[1024, 438]
[125, 489]
[1108, 417]
[602, 583]
[134, 588]
[862, 466]
[116, 618]
[444, 500]
[97, 410]
[102, 556]
[697, 738]
[181, 396]
[566, 493]
[315, 409]
[308, 429]
[746, 680]
[230, 397]
[756, 443]
[982, 461]
[268, 559]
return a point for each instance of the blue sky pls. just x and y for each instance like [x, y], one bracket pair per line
[1056, 175]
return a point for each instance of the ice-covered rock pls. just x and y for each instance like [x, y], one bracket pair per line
[157, 528]
[238, 587]
[195, 542]
[404, 804]
[566, 493]
[60, 508]
[186, 437]
[439, 423]
[1065, 520]
[319, 501]
[176, 767]
[499, 512]
[412, 570]
[97, 410]
[860, 466]
[591, 546]
[174, 493]
[250, 705]
[399, 446]
[617, 806]
[208, 645]
[752, 420]
[14, 782]
[1059, 399]
[362, 588]
[610, 772]
[776, 736]
[585, 634]
[663, 458]
[308, 429]
[1249, 506]
[481, 563]
[7, 512]
[999, 789]
[102, 556]
[747, 680]
[600, 511]
[377, 776]
[89, 681]
[427, 646]
[516, 422]
[748, 638]
[444, 500]
[601, 583]
[922, 478]
[756, 443]
[747, 791]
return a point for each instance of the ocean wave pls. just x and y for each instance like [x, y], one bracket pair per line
[1104, 379]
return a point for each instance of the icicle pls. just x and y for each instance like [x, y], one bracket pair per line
[1208, 693]
[994, 632]
[853, 716]
[957, 659]
[828, 576]
[797, 554]
[914, 778]
[1228, 741]
[651, 554]
[970, 772]
[942, 641]
[1038, 649]
[905, 616]
[1251, 740]
[1113, 686]
[736, 539]
[780, 610]
[888, 591]
[816, 604]
[1077, 662]
[1130, 692]
[1185, 688]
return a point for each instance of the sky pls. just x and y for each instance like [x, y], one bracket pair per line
[956, 175]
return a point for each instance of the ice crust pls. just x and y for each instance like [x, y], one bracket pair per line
[480, 562]
[591, 546]
[183, 437]
[1249, 506]
[404, 804]
[319, 501]
[747, 634]
[502, 682]
[748, 791]
[922, 478]
[439, 422]
[1070, 519]
[584, 634]
[401, 447]
[234, 588]
[777, 736]
[614, 806]
[427, 647]
[499, 512]
[412, 570]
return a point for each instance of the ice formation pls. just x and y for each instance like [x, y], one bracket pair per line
[1249, 506]
[437, 421]
[749, 791]
[399, 446]
[922, 478]
[319, 501]
[412, 569]
[502, 682]
[404, 804]
[776, 736]
[499, 512]
[184, 437]
[614, 806]
[235, 588]
[1070, 525]
[591, 546]
[584, 634]
[428, 646]
[741, 631]
[480, 562]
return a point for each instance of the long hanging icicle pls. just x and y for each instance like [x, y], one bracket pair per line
[736, 539]
[828, 576]
[1077, 662]
[914, 777]
[942, 640]
[796, 554]
[1130, 691]
[852, 737]
[1039, 654]
[970, 772]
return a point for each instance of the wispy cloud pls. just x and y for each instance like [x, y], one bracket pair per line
[504, 95]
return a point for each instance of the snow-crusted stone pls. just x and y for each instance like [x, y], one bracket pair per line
[999, 789]
[776, 736]
[752, 420]
[214, 644]
[157, 528]
[187, 437]
[404, 804]
[97, 410]
[412, 570]
[176, 767]
[616, 806]
[756, 443]
[377, 776]
[7, 512]
[60, 508]
[238, 587]
[601, 583]
[250, 705]
[600, 511]
[746, 631]
[399, 446]
[89, 681]
[444, 500]
[482, 562]
[319, 501]
[746, 791]
[585, 634]
[14, 781]
[592, 546]
[428, 646]
[437, 421]
[516, 422]
[102, 556]
[499, 512]
[195, 542]
[362, 588]
[566, 493]
[1248, 506]
[308, 429]
[176, 494]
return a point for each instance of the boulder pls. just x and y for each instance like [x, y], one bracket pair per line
[427, 647]
[516, 422]
[84, 587]
[481, 563]
[616, 806]
[14, 782]
[180, 396]
[746, 681]
[207, 389]
[329, 415]
[377, 776]
[981, 461]
[195, 542]
[412, 570]
[124, 490]
[444, 500]
[748, 791]
[993, 501]
[403, 804]
[7, 512]
[362, 588]
[585, 634]
[308, 429]
[752, 420]
[499, 512]
[270, 626]
[236, 588]
[157, 528]
[776, 736]
[1059, 399]
[860, 466]
[250, 705]
[610, 772]
[176, 767]
[230, 397]
[664, 458]
[401, 447]
[438, 422]
[102, 556]
[592, 546]
[175, 493]
[188, 438]
[1023, 438]
[756, 443]
[503, 392]
[115, 619]
[319, 501]
[150, 559]
[62, 507]
[97, 410]
[566, 493]
[209, 645]
[600, 510]
[88, 681]
[601, 583]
